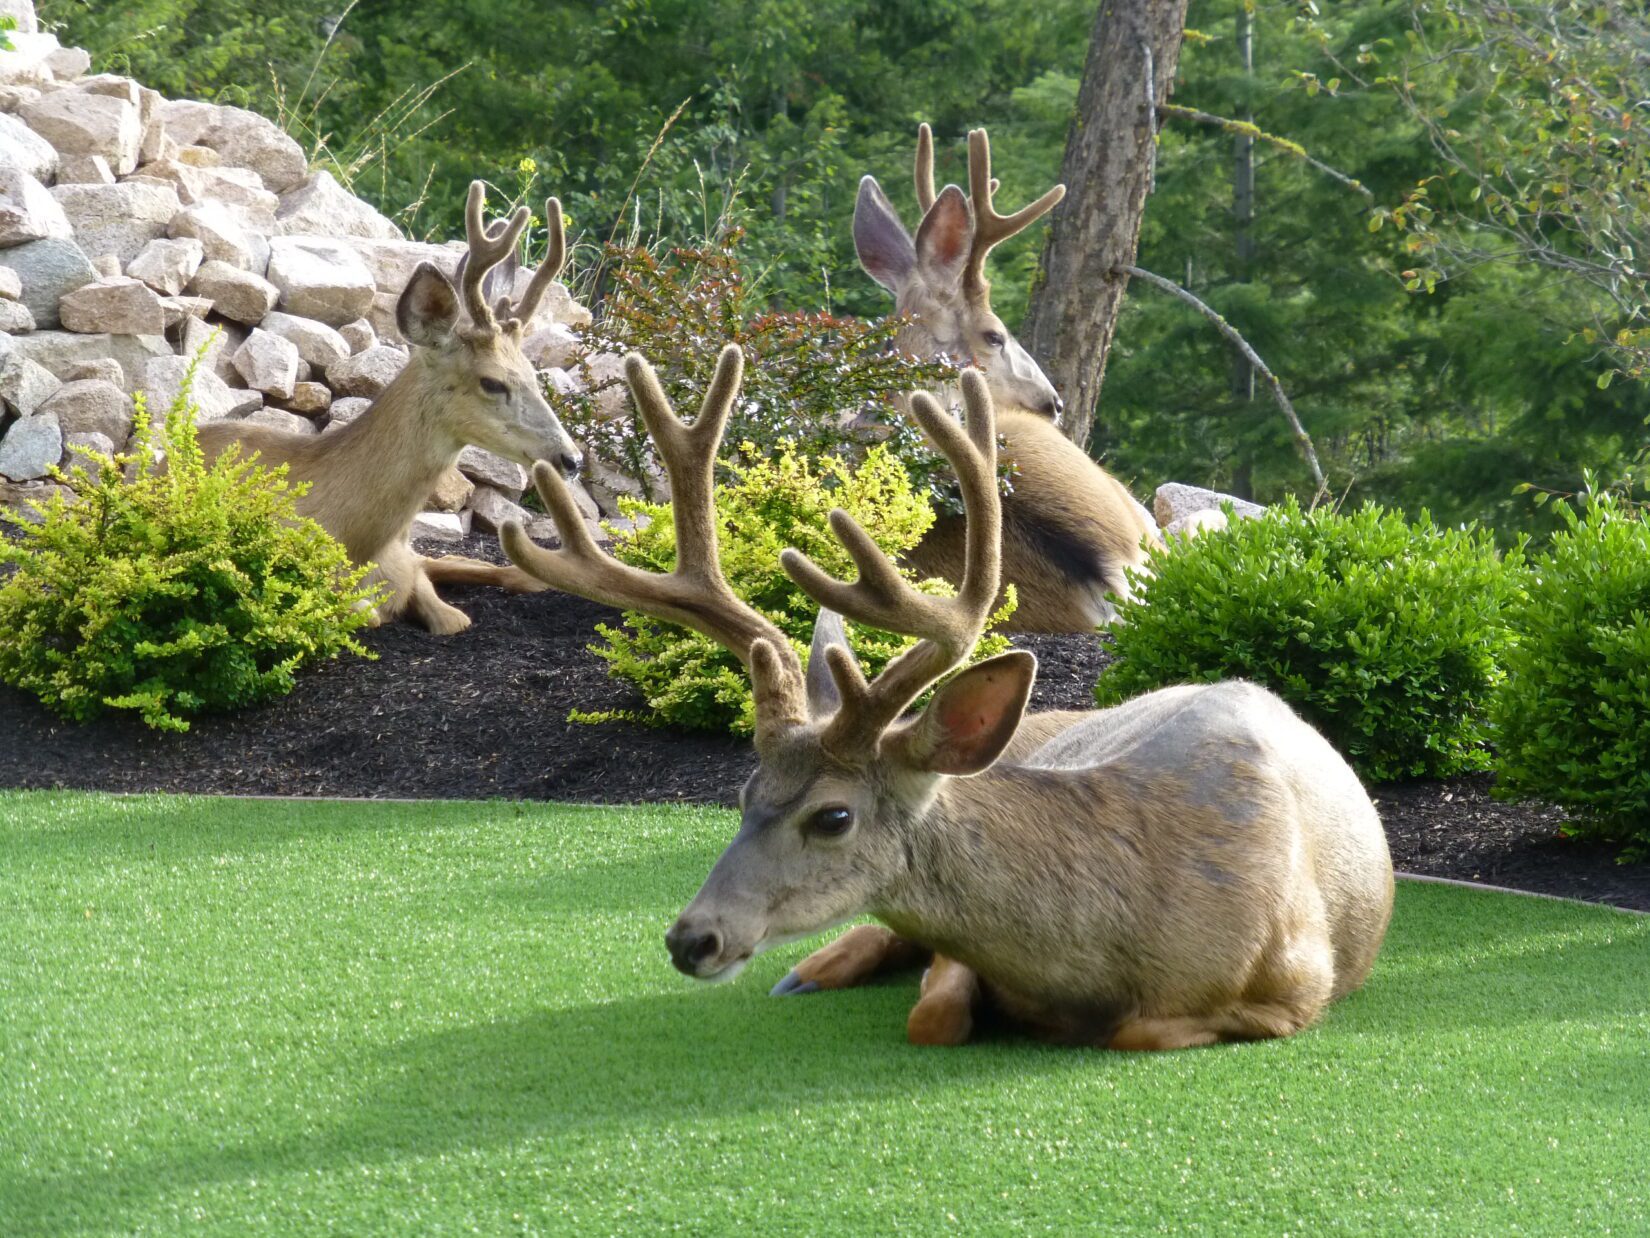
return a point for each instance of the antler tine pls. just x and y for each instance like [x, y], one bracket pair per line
[882, 598]
[990, 228]
[696, 594]
[924, 172]
[490, 244]
[555, 258]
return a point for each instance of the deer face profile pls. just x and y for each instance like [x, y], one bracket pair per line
[1195, 865]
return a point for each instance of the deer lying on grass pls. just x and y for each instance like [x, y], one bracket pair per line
[464, 384]
[1197, 865]
[1070, 528]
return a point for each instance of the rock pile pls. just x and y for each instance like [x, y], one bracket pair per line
[135, 228]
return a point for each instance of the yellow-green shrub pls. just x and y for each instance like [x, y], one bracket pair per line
[688, 680]
[172, 590]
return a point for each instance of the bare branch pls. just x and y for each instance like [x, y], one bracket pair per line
[1302, 439]
[1226, 123]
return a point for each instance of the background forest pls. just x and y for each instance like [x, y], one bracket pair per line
[1442, 343]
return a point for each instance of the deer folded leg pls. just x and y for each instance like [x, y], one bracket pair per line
[460, 570]
[855, 957]
[944, 1014]
[429, 610]
[1241, 1021]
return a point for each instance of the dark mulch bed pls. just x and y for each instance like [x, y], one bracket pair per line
[484, 714]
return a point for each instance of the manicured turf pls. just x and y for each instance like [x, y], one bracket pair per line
[238, 1017]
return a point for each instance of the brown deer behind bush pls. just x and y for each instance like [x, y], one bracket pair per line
[1069, 528]
[465, 383]
[1194, 866]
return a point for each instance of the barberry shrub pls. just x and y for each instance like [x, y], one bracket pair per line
[1572, 717]
[828, 386]
[773, 501]
[170, 587]
[1387, 636]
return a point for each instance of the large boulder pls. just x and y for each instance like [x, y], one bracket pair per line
[163, 379]
[49, 268]
[490, 469]
[317, 343]
[320, 278]
[28, 212]
[79, 123]
[268, 363]
[237, 190]
[30, 447]
[248, 140]
[223, 236]
[186, 121]
[367, 373]
[119, 305]
[25, 385]
[92, 406]
[167, 264]
[28, 61]
[320, 206]
[118, 219]
[234, 293]
[1175, 500]
[67, 354]
[23, 148]
[15, 318]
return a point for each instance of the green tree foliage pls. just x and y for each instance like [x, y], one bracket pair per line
[773, 502]
[1387, 636]
[172, 591]
[1572, 718]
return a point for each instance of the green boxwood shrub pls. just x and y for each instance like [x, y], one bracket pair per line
[1572, 717]
[772, 502]
[171, 590]
[1385, 635]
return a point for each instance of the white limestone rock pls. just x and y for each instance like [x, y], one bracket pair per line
[31, 447]
[69, 63]
[317, 343]
[28, 212]
[223, 237]
[346, 409]
[186, 121]
[367, 373]
[235, 293]
[268, 363]
[65, 353]
[1209, 520]
[167, 264]
[437, 527]
[105, 368]
[319, 278]
[119, 305]
[1175, 500]
[25, 385]
[359, 335]
[92, 406]
[28, 62]
[237, 190]
[489, 469]
[163, 379]
[310, 399]
[452, 492]
[490, 509]
[90, 450]
[277, 419]
[15, 318]
[11, 284]
[552, 346]
[118, 219]
[248, 140]
[84, 170]
[76, 122]
[22, 147]
[320, 206]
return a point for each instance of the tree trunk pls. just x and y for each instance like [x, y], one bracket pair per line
[1110, 152]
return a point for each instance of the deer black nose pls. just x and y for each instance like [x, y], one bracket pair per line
[570, 462]
[689, 947]
[1054, 406]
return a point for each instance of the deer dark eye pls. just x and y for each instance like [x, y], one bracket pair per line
[995, 338]
[493, 387]
[830, 822]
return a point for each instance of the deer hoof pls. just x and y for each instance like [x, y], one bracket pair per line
[792, 984]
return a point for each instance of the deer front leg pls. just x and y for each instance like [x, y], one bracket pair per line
[944, 1014]
[412, 593]
[855, 957]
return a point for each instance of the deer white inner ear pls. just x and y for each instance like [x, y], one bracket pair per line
[944, 238]
[881, 241]
[823, 697]
[427, 312]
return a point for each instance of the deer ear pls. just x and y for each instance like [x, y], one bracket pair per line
[944, 237]
[883, 244]
[823, 697]
[971, 719]
[428, 309]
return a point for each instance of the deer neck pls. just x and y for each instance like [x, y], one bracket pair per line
[1008, 868]
[381, 467]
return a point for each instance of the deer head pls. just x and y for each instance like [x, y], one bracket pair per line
[841, 777]
[486, 391]
[938, 279]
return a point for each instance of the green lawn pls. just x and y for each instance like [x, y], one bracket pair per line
[233, 1017]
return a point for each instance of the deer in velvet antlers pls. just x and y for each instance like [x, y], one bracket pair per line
[1197, 865]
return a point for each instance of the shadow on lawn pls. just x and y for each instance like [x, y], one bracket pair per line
[682, 1059]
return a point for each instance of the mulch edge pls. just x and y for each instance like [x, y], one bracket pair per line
[1424, 878]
